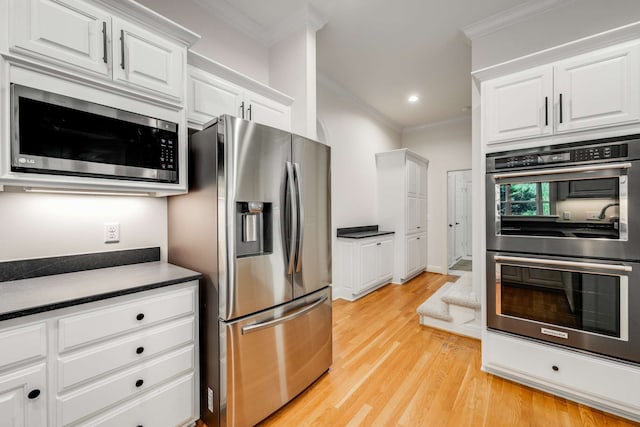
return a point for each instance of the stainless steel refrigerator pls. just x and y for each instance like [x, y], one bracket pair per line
[256, 223]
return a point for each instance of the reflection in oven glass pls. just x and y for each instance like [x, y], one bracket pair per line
[587, 302]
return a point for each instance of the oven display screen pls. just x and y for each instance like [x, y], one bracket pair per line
[581, 301]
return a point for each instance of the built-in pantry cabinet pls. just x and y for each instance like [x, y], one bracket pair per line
[214, 90]
[402, 208]
[590, 91]
[128, 360]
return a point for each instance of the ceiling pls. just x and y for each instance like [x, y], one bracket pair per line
[382, 51]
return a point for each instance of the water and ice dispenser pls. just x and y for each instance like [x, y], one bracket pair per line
[253, 229]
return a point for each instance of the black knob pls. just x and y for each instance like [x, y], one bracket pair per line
[33, 394]
[140, 316]
[450, 225]
[139, 350]
[555, 368]
[139, 383]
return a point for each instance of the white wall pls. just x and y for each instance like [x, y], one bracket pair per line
[574, 20]
[354, 136]
[292, 70]
[219, 41]
[447, 145]
[43, 225]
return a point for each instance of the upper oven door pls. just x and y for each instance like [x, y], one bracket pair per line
[590, 305]
[585, 210]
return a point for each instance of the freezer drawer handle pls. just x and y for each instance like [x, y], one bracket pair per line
[259, 326]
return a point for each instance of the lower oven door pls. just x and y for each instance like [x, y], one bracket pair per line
[591, 305]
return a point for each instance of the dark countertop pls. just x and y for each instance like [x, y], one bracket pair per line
[34, 295]
[361, 232]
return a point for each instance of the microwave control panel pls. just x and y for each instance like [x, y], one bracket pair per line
[576, 155]
[168, 151]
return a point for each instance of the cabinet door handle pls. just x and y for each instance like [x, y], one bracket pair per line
[122, 49]
[379, 243]
[546, 111]
[33, 394]
[242, 109]
[139, 350]
[139, 383]
[555, 368]
[104, 41]
[560, 108]
[417, 238]
[140, 316]
[249, 110]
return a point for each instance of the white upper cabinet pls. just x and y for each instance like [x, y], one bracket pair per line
[209, 96]
[261, 109]
[78, 36]
[71, 31]
[214, 90]
[595, 90]
[147, 60]
[599, 89]
[519, 106]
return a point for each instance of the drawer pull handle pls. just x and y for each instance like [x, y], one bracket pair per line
[555, 368]
[139, 350]
[139, 383]
[140, 316]
[33, 394]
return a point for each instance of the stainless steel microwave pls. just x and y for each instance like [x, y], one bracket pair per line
[56, 134]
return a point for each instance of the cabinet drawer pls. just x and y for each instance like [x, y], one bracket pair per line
[22, 344]
[610, 382]
[97, 324]
[169, 406]
[95, 397]
[98, 360]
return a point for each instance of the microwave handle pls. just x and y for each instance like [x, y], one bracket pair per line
[559, 263]
[541, 172]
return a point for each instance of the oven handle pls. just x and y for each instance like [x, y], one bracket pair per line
[540, 172]
[560, 263]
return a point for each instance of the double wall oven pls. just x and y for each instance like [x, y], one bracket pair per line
[563, 245]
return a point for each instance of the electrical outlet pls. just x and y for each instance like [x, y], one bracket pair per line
[111, 232]
[566, 215]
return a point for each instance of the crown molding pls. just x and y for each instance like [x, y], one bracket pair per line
[412, 129]
[233, 16]
[510, 17]
[306, 17]
[329, 83]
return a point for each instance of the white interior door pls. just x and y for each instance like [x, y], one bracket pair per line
[459, 215]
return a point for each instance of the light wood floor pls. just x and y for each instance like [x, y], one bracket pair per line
[388, 370]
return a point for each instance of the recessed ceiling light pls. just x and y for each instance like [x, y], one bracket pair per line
[413, 98]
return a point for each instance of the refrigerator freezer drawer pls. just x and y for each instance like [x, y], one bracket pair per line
[273, 356]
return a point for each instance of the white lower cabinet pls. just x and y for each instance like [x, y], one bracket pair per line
[416, 251]
[128, 360]
[23, 397]
[596, 381]
[363, 264]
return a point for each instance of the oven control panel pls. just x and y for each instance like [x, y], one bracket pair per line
[575, 155]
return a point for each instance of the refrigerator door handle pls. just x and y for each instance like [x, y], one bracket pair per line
[271, 323]
[293, 225]
[300, 217]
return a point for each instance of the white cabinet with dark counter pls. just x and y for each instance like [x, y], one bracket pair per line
[100, 347]
[364, 261]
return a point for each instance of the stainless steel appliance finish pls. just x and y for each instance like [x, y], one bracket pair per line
[256, 222]
[589, 305]
[56, 134]
[579, 199]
